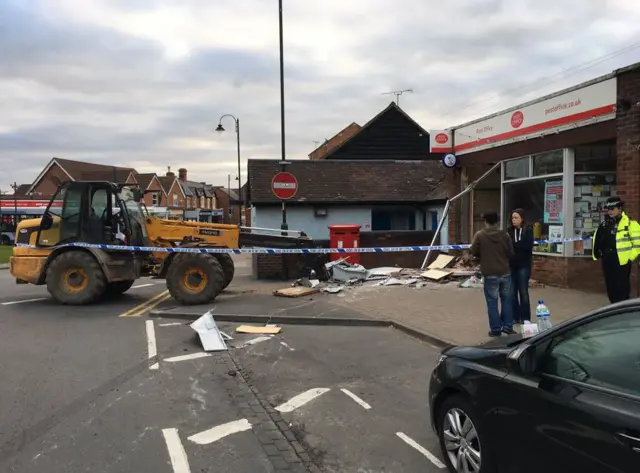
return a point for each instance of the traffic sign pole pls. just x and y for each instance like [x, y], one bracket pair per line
[284, 186]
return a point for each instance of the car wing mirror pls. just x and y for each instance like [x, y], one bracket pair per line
[523, 359]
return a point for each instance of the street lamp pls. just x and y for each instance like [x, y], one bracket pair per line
[220, 129]
[283, 164]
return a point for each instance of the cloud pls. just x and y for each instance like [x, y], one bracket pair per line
[144, 83]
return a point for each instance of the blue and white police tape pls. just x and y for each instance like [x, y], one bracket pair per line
[280, 251]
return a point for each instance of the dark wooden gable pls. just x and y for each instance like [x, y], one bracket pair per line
[392, 134]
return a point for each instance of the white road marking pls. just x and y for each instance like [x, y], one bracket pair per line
[220, 431]
[191, 356]
[154, 366]
[172, 324]
[141, 285]
[301, 399]
[24, 301]
[356, 398]
[284, 344]
[151, 342]
[430, 456]
[177, 453]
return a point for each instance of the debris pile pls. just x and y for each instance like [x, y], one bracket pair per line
[445, 269]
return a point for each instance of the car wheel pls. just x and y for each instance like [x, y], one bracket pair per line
[461, 439]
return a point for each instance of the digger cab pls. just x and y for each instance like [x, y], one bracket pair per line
[98, 213]
[93, 213]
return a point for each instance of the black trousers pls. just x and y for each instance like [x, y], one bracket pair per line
[616, 277]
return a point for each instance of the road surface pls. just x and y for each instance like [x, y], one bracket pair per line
[104, 388]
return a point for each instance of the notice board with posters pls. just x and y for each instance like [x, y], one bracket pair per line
[553, 192]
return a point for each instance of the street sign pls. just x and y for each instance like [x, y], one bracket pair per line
[284, 185]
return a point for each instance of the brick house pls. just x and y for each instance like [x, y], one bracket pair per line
[200, 200]
[230, 204]
[558, 157]
[60, 170]
[176, 200]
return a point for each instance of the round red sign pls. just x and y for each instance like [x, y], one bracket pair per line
[517, 119]
[284, 185]
[442, 138]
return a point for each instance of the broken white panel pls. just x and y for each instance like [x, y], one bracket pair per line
[398, 282]
[210, 336]
[332, 289]
[347, 273]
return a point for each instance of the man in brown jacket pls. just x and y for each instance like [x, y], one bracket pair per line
[494, 249]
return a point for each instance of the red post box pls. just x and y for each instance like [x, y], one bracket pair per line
[345, 236]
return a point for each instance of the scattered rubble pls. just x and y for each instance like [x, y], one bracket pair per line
[445, 269]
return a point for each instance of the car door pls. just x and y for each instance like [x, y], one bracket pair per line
[580, 409]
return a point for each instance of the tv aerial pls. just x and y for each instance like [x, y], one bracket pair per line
[397, 93]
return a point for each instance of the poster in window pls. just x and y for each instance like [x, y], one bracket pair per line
[556, 232]
[553, 202]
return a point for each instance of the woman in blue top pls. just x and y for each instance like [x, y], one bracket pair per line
[521, 265]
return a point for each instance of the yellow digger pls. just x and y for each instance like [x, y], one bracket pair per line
[103, 213]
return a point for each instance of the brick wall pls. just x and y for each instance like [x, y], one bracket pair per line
[50, 181]
[223, 203]
[628, 146]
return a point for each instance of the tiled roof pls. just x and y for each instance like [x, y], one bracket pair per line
[166, 182]
[145, 179]
[80, 170]
[343, 135]
[341, 181]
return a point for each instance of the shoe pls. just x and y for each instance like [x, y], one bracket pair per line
[508, 331]
[494, 334]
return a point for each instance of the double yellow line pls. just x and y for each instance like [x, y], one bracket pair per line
[148, 305]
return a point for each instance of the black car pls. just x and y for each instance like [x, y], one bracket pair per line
[566, 400]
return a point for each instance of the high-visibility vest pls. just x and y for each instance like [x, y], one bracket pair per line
[627, 240]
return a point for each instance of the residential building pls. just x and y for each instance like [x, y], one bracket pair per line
[329, 145]
[200, 200]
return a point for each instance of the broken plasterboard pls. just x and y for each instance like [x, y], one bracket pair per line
[441, 262]
[436, 274]
[209, 334]
[259, 329]
[398, 282]
[297, 291]
[347, 273]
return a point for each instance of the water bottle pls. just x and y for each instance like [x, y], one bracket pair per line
[542, 316]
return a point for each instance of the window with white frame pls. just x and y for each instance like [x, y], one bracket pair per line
[202, 202]
[535, 184]
[155, 199]
[553, 208]
[175, 200]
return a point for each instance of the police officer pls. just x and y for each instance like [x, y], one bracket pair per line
[617, 243]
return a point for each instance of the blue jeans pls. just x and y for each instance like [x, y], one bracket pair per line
[499, 287]
[520, 293]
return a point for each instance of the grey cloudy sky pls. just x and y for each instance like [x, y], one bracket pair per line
[143, 83]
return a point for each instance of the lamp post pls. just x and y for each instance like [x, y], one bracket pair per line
[283, 164]
[221, 129]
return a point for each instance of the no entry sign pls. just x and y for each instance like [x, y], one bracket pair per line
[284, 185]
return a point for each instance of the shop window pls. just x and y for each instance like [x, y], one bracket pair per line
[393, 219]
[541, 200]
[598, 157]
[590, 192]
[517, 169]
[547, 163]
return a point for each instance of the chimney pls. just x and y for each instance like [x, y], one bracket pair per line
[169, 173]
[182, 174]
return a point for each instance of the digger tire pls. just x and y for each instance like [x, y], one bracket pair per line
[228, 267]
[117, 288]
[75, 278]
[195, 278]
